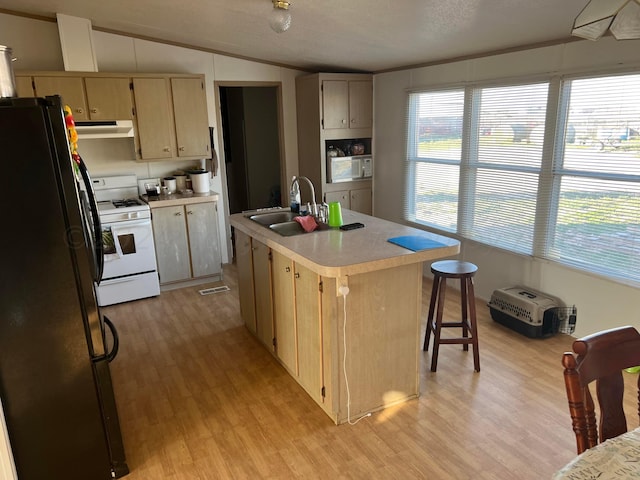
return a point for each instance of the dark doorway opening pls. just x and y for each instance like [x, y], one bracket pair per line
[250, 129]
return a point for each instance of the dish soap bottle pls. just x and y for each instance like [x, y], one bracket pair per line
[294, 195]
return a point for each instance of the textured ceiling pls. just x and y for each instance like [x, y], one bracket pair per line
[331, 35]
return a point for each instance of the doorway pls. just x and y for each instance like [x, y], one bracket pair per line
[251, 138]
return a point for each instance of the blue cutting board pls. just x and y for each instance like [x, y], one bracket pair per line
[416, 242]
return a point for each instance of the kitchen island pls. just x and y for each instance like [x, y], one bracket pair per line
[291, 298]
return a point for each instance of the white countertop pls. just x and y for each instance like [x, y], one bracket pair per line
[336, 253]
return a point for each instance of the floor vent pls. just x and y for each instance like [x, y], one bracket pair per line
[209, 291]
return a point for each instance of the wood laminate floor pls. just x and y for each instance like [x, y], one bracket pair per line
[199, 398]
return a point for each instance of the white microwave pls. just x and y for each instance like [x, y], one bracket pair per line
[347, 169]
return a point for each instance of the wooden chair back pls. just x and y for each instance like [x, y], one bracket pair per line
[601, 358]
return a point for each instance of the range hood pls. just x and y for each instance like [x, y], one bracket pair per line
[104, 129]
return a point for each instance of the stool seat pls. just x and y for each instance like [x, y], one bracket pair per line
[464, 271]
[453, 268]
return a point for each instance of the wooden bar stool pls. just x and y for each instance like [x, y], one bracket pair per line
[465, 272]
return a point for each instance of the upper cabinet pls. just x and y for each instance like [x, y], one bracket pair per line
[109, 98]
[154, 119]
[24, 86]
[171, 118]
[169, 110]
[90, 98]
[347, 104]
[190, 112]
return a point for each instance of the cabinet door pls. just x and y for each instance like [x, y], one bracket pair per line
[262, 282]
[360, 104]
[342, 196]
[71, 89]
[335, 104]
[192, 122]
[172, 248]
[24, 87]
[246, 287]
[202, 222]
[109, 98]
[154, 119]
[284, 311]
[309, 330]
[361, 200]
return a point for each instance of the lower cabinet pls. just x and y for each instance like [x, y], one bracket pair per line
[358, 199]
[253, 261]
[372, 335]
[187, 241]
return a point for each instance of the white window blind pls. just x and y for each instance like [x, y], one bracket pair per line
[434, 155]
[597, 178]
[504, 165]
[483, 163]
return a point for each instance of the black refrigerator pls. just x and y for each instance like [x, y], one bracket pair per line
[55, 346]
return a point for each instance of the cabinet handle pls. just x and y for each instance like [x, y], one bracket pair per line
[178, 214]
[189, 212]
[166, 149]
[94, 110]
[344, 121]
[79, 110]
[297, 275]
[181, 149]
[287, 269]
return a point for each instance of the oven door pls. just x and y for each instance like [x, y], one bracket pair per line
[128, 248]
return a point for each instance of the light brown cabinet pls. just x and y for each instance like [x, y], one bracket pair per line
[358, 199]
[298, 323]
[91, 98]
[169, 110]
[171, 118]
[190, 112]
[334, 109]
[24, 86]
[347, 104]
[186, 241]
[253, 260]
[154, 119]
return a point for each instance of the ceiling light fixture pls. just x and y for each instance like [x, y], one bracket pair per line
[622, 17]
[280, 17]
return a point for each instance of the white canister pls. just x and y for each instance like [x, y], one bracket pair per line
[200, 182]
[171, 184]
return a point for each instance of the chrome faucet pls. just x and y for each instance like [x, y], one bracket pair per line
[314, 206]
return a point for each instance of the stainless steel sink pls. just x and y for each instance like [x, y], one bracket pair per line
[287, 229]
[271, 218]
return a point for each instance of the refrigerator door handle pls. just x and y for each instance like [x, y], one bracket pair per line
[99, 253]
[116, 341]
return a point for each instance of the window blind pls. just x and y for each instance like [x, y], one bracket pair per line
[504, 165]
[597, 178]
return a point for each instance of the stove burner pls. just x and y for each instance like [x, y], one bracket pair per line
[130, 202]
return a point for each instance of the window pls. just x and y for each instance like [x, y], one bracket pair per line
[597, 177]
[435, 151]
[486, 162]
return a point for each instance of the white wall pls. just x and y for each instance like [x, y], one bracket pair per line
[601, 303]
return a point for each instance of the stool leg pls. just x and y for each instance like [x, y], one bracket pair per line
[474, 325]
[463, 303]
[442, 288]
[432, 304]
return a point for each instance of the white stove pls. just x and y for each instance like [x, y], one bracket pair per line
[130, 270]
